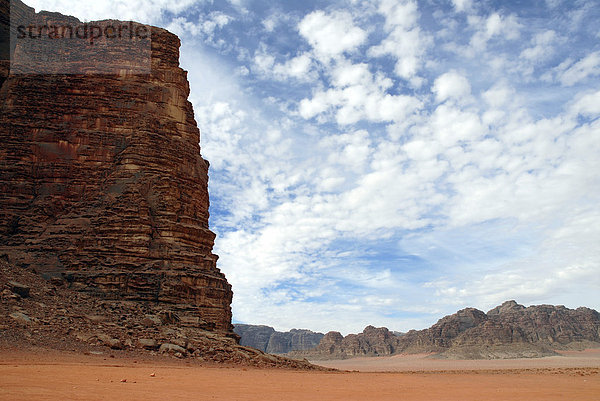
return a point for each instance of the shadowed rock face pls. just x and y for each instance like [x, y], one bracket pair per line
[4, 39]
[266, 339]
[293, 340]
[102, 183]
[373, 341]
[255, 336]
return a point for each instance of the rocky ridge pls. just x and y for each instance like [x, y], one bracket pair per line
[373, 341]
[507, 331]
[266, 339]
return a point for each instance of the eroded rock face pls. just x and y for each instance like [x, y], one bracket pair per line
[440, 336]
[293, 340]
[330, 343]
[511, 328]
[255, 336]
[266, 339]
[508, 331]
[302, 339]
[5, 38]
[373, 341]
[102, 183]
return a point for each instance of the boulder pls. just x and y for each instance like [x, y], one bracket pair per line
[19, 289]
[111, 342]
[148, 343]
[172, 349]
[21, 317]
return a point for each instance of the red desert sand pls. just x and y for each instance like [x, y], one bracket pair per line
[61, 376]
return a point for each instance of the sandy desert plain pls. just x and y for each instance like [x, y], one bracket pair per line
[52, 375]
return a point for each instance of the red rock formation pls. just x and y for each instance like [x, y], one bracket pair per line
[507, 331]
[511, 329]
[330, 344]
[373, 341]
[440, 336]
[102, 182]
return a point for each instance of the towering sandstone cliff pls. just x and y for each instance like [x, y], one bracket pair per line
[102, 183]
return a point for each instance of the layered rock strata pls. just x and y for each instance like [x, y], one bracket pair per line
[102, 183]
[507, 331]
[373, 341]
[513, 329]
[266, 339]
[293, 340]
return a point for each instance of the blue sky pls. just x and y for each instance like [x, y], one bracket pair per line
[390, 162]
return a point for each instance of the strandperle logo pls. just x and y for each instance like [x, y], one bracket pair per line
[52, 44]
[91, 32]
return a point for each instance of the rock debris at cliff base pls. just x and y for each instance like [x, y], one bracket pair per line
[52, 316]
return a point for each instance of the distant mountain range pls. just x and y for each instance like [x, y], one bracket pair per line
[507, 331]
[266, 339]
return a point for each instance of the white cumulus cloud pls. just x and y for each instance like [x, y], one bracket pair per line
[330, 35]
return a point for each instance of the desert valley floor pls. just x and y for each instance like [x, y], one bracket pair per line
[65, 376]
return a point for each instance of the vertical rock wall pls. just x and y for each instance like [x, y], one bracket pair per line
[102, 183]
